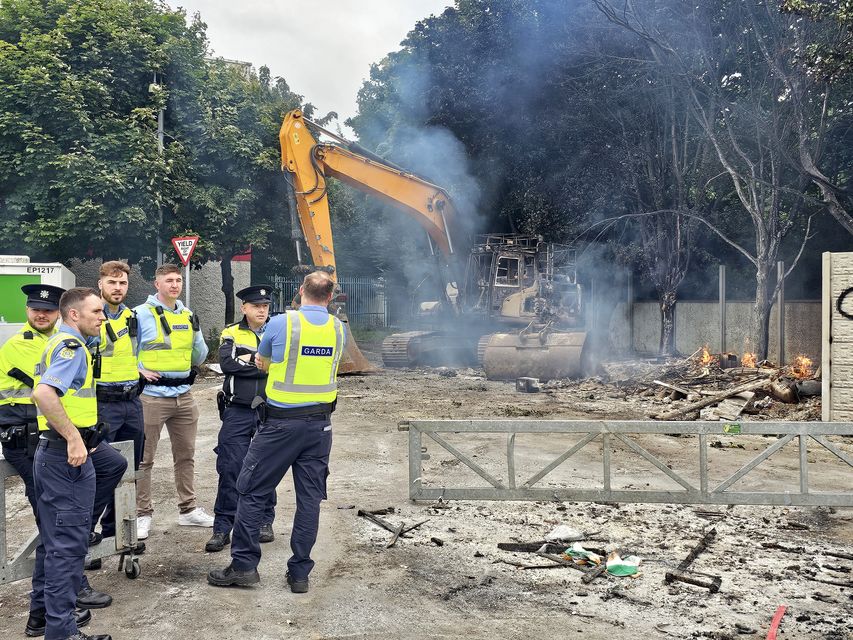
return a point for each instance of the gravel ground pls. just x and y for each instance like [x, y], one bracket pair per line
[466, 586]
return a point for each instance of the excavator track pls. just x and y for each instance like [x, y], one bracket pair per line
[402, 350]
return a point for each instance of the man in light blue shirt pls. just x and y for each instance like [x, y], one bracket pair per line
[171, 344]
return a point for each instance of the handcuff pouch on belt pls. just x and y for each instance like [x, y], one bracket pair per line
[220, 404]
[93, 436]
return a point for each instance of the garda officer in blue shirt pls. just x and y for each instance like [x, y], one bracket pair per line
[242, 390]
[301, 351]
[64, 473]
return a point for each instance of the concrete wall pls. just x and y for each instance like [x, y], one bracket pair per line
[206, 297]
[698, 323]
[837, 359]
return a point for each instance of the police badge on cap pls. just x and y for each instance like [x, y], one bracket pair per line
[43, 296]
[256, 294]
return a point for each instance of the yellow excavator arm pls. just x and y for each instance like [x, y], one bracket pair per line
[308, 163]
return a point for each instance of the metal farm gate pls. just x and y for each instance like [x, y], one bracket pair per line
[366, 306]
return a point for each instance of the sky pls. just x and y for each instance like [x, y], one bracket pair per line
[323, 49]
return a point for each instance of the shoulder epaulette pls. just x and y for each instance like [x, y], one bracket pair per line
[28, 335]
[72, 343]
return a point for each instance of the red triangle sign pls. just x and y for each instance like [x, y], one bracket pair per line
[184, 246]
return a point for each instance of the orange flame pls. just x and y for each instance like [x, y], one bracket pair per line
[802, 367]
[705, 357]
[748, 360]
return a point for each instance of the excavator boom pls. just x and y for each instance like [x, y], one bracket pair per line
[307, 164]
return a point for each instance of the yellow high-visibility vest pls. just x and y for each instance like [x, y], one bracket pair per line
[23, 352]
[118, 349]
[172, 350]
[308, 372]
[81, 404]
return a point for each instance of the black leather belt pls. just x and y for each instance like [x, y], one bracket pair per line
[280, 413]
[52, 436]
[53, 444]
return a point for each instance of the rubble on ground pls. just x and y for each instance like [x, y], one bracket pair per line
[705, 387]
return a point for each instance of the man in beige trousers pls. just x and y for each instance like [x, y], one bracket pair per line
[170, 345]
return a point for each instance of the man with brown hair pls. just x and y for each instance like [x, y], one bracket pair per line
[170, 346]
[300, 351]
[65, 468]
[118, 386]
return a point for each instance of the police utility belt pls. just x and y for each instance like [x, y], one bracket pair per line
[21, 436]
[267, 410]
[117, 393]
[92, 436]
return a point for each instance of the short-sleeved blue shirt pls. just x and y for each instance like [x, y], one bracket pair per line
[67, 368]
[275, 338]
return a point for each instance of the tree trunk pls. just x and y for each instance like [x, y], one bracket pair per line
[228, 288]
[761, 312]
[667, 324]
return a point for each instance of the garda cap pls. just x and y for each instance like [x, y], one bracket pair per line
[256, 294]
[43, 296]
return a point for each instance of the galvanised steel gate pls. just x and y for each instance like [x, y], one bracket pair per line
[696, 488]
[366, 306]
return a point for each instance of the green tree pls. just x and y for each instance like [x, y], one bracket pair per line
[80, 172]
[230, 180]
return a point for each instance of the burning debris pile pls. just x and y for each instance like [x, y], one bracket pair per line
[707, 386]
[725, 386]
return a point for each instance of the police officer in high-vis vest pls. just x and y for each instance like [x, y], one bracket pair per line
[64, 473]
[118, 386]
[301, 351]
[19, 359]
[242, 391]
[170, 346]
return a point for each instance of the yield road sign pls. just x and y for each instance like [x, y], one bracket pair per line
[184, 246]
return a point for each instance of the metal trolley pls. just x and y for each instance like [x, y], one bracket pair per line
[20, 565]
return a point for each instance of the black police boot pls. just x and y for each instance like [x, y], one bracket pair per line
[229, 576]
[92, 565]
[36, 622]
[267, 534]
[88, 598]
[297, 585]
[82, 636]
[217, 542]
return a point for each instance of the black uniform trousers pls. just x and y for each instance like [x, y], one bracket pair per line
[65, 498]
[239, 424]
[125, 421]
[18, 458]
[303, 445]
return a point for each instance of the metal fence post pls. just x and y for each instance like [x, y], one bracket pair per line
[722, 308]
[780, 302]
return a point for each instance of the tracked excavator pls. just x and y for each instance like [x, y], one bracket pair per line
[511, 303]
